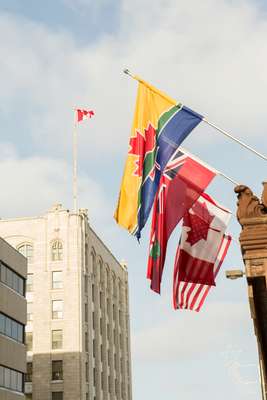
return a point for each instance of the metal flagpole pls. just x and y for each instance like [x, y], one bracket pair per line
[127, 72]
[235, 139]
[208, 166]
[74, 181]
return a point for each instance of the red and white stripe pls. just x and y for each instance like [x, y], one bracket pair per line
[191, 296]
[81, 115]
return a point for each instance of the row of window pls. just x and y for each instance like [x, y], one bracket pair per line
[11, 328]
[55, 396]
[56, 371]
[57, 281]
[109, 388]
[11, 279]
[57, 310]
[57, 340]
[56, 251]
[11, 379]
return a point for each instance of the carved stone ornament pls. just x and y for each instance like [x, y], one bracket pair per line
[264, 194]
[248, 205]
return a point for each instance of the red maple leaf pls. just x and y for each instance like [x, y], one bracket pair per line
[198, 223]
[141, 145]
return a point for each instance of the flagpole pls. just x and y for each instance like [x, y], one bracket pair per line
[208, 166]
[225, 133]
[74, 178]
[235, 139]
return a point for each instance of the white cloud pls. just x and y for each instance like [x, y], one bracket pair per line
[32, 185]
[191, 52]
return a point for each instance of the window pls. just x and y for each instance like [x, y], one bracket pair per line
[57, 309]
[86, 312]
[94, 373]
[11, 328]
[57, 251]
[101, 300]
[29, 283]
[86, 372]
[102, 380]
[28, 375]
[94, 322]
[101, 352]
[11, 379]
[29, 312]
[29, 341]
[109, 384]
[86, 254]
[94, 348]
[27, 250]
[29, 316]
[57, 280]
[57, 339]
[86, 341]
[86, 283]
[57, 395]
[93, 292]
[11, 279]
[57, 370]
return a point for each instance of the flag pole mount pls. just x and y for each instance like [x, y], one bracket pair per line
[222, 131]
[127, 72]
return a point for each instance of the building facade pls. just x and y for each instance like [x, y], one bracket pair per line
[13, 273]
[77, 333]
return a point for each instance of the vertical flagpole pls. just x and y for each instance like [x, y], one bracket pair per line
[74, 182]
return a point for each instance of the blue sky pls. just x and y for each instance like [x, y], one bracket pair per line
[211, 55]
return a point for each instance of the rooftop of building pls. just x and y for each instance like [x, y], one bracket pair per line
[82, 212]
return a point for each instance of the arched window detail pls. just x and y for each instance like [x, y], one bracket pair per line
[57, 250]
[93, 266]
[101, 271]
[114, 285]
[27, 250]
[107, 277]
[86, 256]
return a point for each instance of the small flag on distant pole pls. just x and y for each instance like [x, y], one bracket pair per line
[81, 115]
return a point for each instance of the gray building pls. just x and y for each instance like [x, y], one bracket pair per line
[77, 317]
[13, 272]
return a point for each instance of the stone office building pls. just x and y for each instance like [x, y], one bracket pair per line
[13, 272]
[77, 333]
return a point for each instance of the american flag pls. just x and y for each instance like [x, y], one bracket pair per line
[191, 296]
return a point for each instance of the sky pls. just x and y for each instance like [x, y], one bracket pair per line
[210, 55]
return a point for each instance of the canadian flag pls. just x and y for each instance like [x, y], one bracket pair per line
[81, 115]
[203, 232]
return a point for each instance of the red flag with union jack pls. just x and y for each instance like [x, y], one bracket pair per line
[182, 182]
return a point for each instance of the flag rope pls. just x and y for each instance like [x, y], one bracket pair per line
[225, 133]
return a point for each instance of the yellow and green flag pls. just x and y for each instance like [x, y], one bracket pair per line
[159, 127]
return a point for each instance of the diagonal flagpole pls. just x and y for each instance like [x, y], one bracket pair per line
[74, 152]
[228, 178]
[225, 133]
